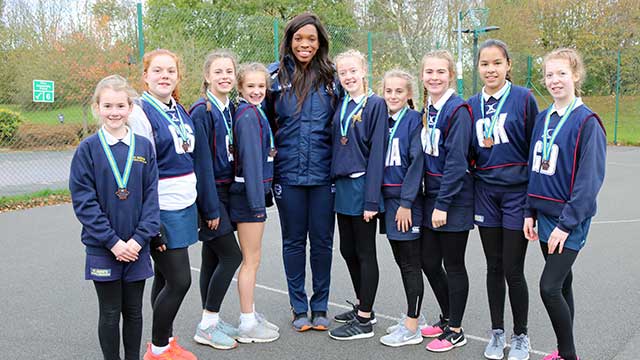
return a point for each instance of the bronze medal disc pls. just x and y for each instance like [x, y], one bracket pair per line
[545, 164]
[273, 152]
[185, 146]
[487, 142]
[230, 148]
[122, 193]
[344, 140]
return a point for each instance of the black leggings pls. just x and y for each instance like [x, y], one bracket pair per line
[505, 251]
[557, 296]
[115, 298]
[451, 284]
[170, 285]
[407, 256]
[358, 248]
[220, 260]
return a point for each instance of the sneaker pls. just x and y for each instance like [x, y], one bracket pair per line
[436, 329]
[352, 330]
[261, 319]
[301, 322]
[214, 337]
[402, 336]
[496, 345]
[520, 347]
[556, 356]
[422, 323]
[320, 321]
[149, 355]
[228, 329]
[260, 333]
[178, 352]
[447, 341]
[351, 315]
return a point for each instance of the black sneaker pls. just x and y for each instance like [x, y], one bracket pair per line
[351, 315]
[447, 341]
[352, 330]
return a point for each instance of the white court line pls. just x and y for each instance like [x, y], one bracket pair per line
[622, 164]
[615, 221]
[378, 315]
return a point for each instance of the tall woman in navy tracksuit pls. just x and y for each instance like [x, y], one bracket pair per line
[302, 101]
[357, 167]
[448, 210]
[113, 185]
[403, 202]
[254, 151]
[213, 158]
[504, 116]
[160, 118]
[567, 165]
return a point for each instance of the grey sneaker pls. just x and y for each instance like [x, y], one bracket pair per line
[260, 333]
[495, 347]
[263, 320]
[402, 336]
[422, 322]
[214, 337]
[301, 322]
[320, 321]
[520, 347]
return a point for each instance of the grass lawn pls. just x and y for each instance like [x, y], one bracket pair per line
[72, 114]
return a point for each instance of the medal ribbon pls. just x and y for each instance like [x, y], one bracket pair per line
[488, 131]
[395, 127]
[181, 129]
[227, 123]
[344, 124]
[547, 145]
[432, 128]
[264, 116]
[121, 179]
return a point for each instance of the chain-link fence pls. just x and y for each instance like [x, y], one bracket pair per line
[37, 138]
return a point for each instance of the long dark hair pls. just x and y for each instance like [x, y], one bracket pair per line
[500, 45]
[319, 71]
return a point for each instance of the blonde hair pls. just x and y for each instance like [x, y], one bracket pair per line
[575, 63]
[408, 78]
[352, 53]
[249, 68]
[115, 83]
[211, 57]
[146, 62]
[438, 54]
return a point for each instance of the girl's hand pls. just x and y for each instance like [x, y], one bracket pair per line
[438, 218]
[162, 248]
[123, 253]
[368, 215]
[403, 219]
[134, 246]
[213, 224]
[528, 229]
[557, 239]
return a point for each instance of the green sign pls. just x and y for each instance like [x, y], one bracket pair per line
[43, 91]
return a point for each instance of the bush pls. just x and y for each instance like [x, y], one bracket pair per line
[9, 123]
[47, 136]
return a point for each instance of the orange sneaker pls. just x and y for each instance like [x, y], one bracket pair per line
[180, 353]
[167, 355]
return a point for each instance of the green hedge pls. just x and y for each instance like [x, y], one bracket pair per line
[9, 123]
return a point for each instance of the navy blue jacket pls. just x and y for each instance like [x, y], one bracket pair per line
[253, 165]
[104, 217]
[404, 164]
[303, 137]
[447, 177]
[364, 151]
[210, 155]
[569, 187]
[505, 163]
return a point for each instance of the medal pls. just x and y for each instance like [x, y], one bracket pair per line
[272, 145]
[227, 124]
[547, 144]
[545, 164]
[432, 128]
[487, 142]
[185, 146]
[122, 193]
[180, 128]
[344, 140]
[346, 121]
[488, 131]
[273, 152]
[121, 179]
[392, 131]
[230, 148]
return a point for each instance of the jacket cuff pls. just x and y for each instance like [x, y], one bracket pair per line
[371, 206]
[408, 204]
[111, 242]
[442, 206]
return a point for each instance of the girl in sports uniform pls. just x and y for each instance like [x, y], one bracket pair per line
[161, 119]
[403, 202]
[504, 116]
[213, 160]
[567, 165]
[301, 103]
[357, 166]
[448, 206]
[114, 188]
[254, 151]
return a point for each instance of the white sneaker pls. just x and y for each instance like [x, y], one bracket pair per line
[401, 337]
[259, 333]
[422, 322]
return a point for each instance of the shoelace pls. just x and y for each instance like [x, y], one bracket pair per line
[519, 340]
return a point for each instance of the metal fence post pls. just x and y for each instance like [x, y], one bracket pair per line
[615, 126]
[276, 45]
[140, 32]
[370, 57]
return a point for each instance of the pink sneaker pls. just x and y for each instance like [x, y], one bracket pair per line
[434, 330]
[555, 356]
[447, 341]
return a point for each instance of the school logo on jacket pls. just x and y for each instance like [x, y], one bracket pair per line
[277, 191]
